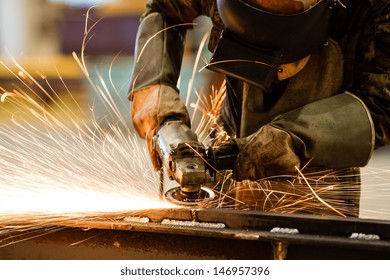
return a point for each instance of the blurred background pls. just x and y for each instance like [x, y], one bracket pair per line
[43, 27]
[41, 36]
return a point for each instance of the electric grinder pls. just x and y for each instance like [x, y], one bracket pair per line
[189, 163]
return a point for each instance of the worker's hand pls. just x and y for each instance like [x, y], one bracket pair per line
[268, 152]
[151, 106]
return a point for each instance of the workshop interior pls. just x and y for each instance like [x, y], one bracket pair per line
[77, 183]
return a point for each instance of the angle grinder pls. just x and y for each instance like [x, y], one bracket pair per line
[190, 164]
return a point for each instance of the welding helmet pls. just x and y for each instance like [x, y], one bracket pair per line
[258, 39]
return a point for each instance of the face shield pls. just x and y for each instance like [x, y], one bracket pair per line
[257, 41]
[282, 7]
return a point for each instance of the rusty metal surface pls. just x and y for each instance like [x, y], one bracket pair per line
[73, 243]
[185, 233]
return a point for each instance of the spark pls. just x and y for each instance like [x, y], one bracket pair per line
[71, 165]
[317, 196]
[327, 193]
[59, 163]
[56, 166]
[196, 62]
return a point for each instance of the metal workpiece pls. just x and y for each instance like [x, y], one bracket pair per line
[276, 226]
[186, 233]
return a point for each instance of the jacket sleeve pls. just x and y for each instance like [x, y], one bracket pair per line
[371, 81]
[160, 42]
[158, 56]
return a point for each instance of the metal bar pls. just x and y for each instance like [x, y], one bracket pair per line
[278, 235]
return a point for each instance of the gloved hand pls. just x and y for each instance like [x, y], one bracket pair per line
[332, 133]
[153, 88]
[268, 152]
[151, 106]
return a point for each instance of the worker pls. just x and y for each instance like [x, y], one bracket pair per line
[308, 82]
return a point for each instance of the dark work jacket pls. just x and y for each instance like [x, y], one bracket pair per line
[362, 32]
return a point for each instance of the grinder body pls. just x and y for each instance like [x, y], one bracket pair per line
[189, 163]
[181, 155]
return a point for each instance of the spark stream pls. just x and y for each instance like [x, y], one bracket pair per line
[141, 271]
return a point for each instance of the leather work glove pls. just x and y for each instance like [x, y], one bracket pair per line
[268, 152]
[151, 107]
[153, 89]
[332, 133]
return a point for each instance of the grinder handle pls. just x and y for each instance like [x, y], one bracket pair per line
[223, 157]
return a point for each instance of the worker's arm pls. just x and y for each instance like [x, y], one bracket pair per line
[158, 56]
[371, 81]
[332, 133]
[339, 131]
